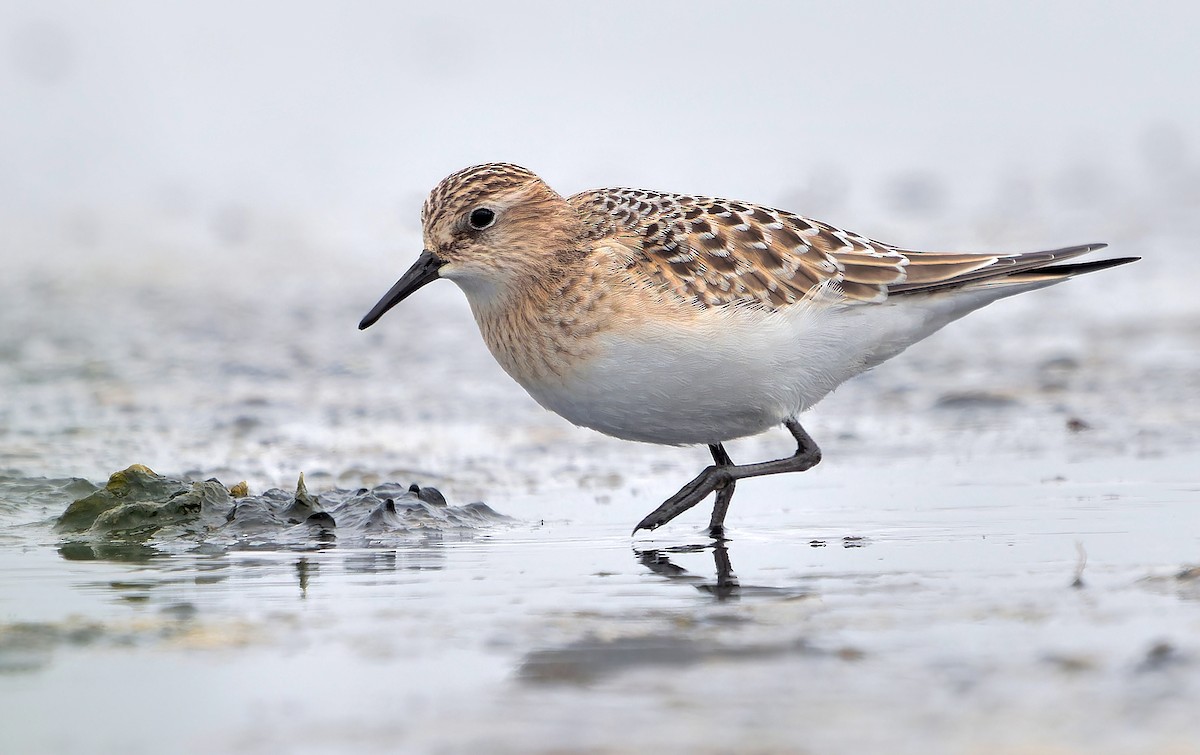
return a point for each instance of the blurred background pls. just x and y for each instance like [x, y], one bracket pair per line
[225, 123]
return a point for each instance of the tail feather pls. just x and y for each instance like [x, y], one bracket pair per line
[1012, 269]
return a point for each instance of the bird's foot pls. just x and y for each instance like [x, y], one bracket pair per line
[712, 478]
[717, 532]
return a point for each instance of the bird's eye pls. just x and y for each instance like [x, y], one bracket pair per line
[481, 218]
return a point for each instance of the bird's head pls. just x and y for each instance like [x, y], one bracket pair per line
[489, 228]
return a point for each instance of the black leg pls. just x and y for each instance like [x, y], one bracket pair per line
[716, 525]
[724, 473]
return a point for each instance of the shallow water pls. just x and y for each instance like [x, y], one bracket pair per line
[998, 553]
[1013, 609]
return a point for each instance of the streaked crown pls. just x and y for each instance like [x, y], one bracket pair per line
[471, 185]
[495, 224]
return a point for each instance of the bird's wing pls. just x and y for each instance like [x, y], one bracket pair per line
[713, 252]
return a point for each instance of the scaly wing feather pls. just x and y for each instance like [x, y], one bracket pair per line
[714, 252]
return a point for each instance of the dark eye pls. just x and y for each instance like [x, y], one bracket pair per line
[481, 218]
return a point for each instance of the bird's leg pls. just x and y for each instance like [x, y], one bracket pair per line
[723, 474]
[716, 525]
[712, 478]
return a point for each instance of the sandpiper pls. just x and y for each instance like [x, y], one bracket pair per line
[678, 319]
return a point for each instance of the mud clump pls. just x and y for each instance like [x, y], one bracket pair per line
[138, 501]
[138, 504]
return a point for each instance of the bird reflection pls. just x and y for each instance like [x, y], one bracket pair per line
[725, 586]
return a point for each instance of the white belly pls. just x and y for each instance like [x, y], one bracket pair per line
[724, 375]
[728, 372]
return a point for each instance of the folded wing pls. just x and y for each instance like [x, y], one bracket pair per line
[714, 252]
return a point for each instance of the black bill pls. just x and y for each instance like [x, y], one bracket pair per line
[424, 270]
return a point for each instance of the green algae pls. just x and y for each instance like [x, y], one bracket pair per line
[137, 501]
[186, 507]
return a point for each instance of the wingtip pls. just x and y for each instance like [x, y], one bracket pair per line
[1059, 272]
[1114, 261]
